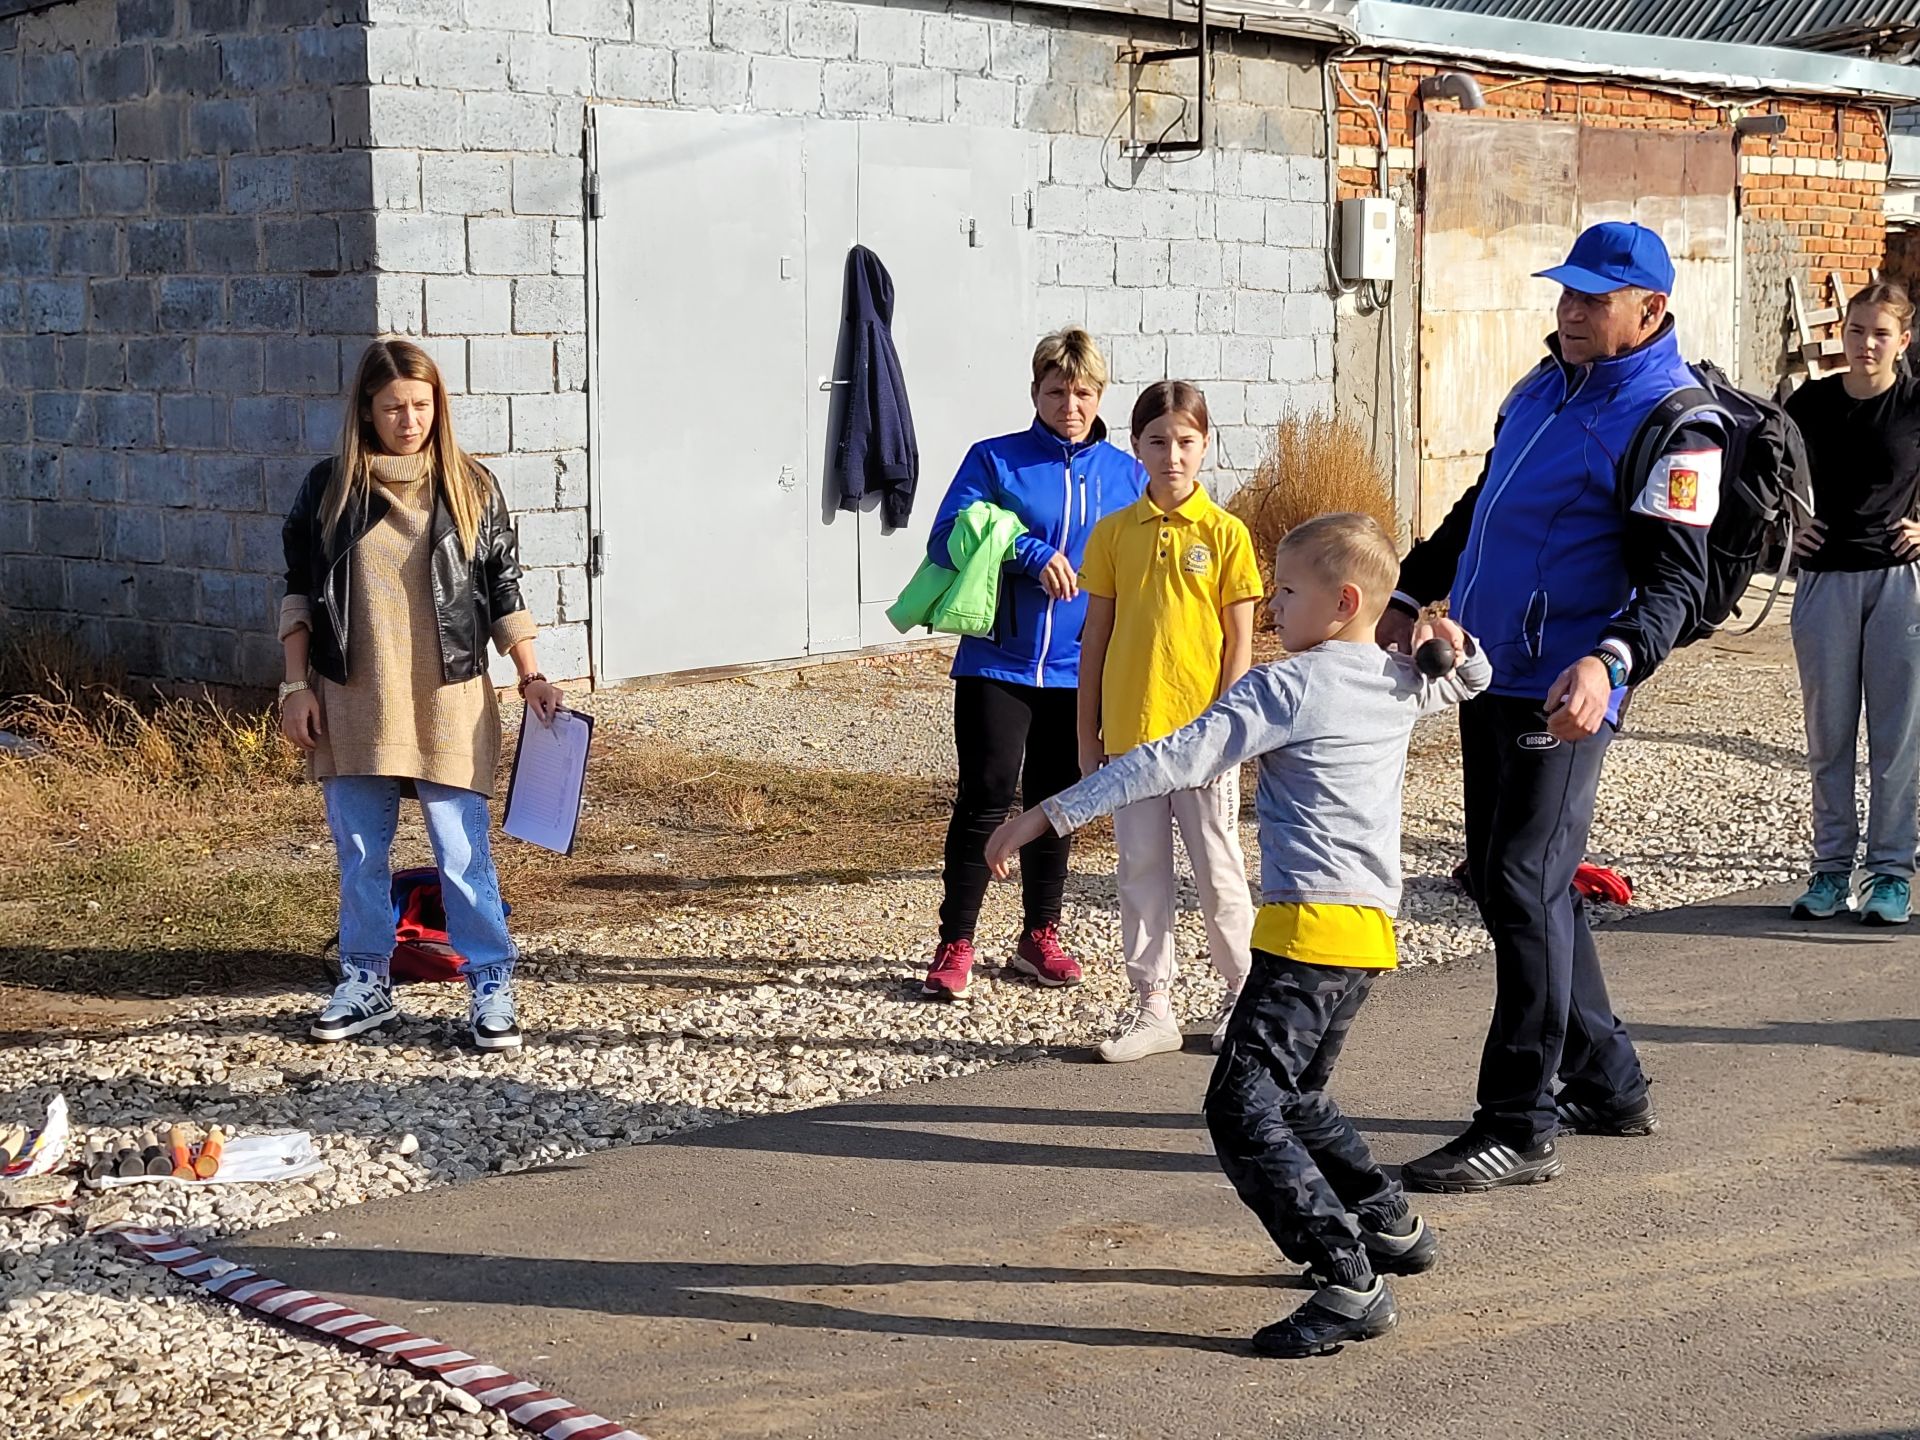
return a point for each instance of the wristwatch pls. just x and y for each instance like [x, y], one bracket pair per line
[291, 687]
[1616, 668]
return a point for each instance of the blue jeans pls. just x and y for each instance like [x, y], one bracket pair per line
[362, 813]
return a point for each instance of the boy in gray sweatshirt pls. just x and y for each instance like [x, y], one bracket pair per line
[1329, 725]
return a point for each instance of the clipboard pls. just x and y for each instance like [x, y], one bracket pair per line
[549, 780]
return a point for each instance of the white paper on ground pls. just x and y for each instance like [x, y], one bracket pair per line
[549, 777]
[248, 1160]
[49, 1146]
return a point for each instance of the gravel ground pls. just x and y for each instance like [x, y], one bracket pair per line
[793, 996]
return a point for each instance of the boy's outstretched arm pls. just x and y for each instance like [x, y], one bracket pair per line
[1255, 716]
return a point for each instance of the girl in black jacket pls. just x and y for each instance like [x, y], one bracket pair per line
[401, 564]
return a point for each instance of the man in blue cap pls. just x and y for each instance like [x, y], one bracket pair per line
[1577, 580]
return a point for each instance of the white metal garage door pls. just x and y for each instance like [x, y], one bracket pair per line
[720, 259]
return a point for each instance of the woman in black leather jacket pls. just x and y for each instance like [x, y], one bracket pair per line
[401, 564]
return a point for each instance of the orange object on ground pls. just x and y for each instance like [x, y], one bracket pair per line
[181, 1152]
[207, 1163]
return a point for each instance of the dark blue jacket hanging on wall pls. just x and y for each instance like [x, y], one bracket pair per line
[877, 450]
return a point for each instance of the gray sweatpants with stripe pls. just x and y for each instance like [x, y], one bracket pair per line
[1856, 634]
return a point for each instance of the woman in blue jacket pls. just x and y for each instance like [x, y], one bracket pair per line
[1015, 688]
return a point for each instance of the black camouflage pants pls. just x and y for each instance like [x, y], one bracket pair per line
[1297, 1162]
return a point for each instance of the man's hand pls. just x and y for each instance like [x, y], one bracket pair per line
[1577, 703]
[1058, 579]
[1813, 535]
[1093, 754]
[301, 720]
[1395, 630]
[1012, 836]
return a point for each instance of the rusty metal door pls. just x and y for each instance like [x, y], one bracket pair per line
[1505, 198]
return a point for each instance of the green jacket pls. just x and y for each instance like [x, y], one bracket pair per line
[962, 600]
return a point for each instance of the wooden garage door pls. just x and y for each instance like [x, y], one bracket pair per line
[1504, 198]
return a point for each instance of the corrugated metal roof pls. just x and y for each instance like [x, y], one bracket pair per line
[1744, 22]
[1405, 27]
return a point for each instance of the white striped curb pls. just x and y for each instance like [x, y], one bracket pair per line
[524, 1404]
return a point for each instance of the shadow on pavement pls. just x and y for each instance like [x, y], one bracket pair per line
[838, 1131]
[1890, 1155]
[713, 1292]
[1879, 1037]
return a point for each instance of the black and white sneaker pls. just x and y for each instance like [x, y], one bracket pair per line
[1410, 1252]
[1579, 1118]
[1476, 1162]
[361, 1002]
[492, 1017]
[1328, 1319]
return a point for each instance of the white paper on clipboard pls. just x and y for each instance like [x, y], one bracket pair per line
[549, 778]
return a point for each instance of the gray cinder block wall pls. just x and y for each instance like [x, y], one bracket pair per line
[454, 140]
[186, 243]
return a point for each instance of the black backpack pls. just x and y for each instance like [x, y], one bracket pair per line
[1766, 491]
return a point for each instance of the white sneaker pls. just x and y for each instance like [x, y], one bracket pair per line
[492, 1017]
[1220, 1020]
[362, 1001]
[1142, 1033]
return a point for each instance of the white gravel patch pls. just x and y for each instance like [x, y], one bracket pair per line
[795, 996]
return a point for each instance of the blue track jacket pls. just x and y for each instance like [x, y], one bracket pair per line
[1060, 492]
[1542, 561]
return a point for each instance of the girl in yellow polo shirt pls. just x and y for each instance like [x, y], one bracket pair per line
[1171, 585]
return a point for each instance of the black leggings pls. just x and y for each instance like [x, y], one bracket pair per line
[1007, 735]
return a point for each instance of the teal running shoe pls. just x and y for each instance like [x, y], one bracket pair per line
[1888, 901]
[1826, 897]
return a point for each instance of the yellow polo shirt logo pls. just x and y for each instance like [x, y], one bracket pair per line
[1170, 577]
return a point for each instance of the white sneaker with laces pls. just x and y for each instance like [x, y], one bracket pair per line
[1220, 1020]
[1142, 1033]
[492, 1017]
[362, 1001]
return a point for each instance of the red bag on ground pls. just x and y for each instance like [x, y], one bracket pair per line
[421, 949]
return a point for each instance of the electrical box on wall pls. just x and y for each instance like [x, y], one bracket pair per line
[1367, 239]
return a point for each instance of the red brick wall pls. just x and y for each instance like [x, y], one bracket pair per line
[1835, 222]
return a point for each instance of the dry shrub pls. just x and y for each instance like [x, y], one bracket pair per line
[99, 765]
[1314, 465]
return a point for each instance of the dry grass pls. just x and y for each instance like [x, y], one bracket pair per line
[722, 824]
[1315, 465]
[172, 846]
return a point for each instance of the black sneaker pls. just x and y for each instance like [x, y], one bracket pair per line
[362, 1001]
[1412, 1252]
[1328, 1319]
[1579, 1118]
[1477, 1162]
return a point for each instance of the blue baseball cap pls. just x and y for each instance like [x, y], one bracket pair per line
[1614, 256]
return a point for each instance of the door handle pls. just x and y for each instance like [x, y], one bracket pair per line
[826, 384]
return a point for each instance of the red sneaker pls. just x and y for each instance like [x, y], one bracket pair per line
[952, 968]
[1042, 956]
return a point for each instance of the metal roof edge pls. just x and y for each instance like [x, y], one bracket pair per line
[1710, 64]
[1323, 22]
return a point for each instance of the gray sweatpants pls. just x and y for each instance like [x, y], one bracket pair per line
[1855, 634]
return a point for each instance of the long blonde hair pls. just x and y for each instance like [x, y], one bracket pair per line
[460, 480]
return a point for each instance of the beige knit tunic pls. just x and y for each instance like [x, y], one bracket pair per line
[396, 715]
